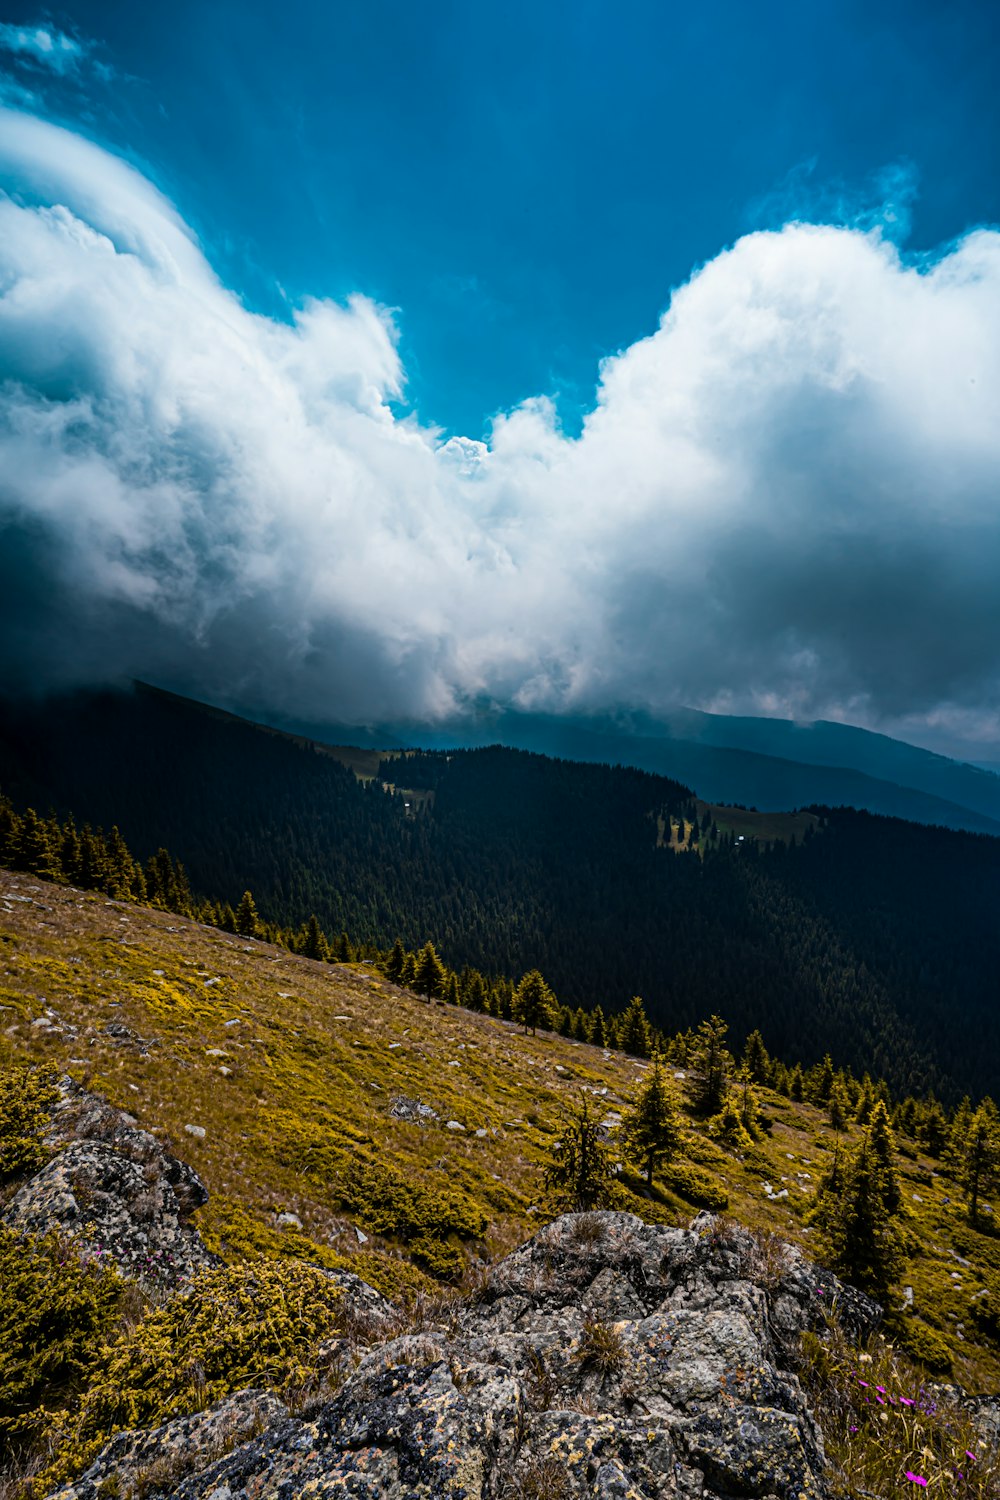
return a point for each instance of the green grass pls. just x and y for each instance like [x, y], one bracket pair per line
[296, 1103]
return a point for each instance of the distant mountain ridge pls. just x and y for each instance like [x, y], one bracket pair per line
[772, 764]
[868, 937]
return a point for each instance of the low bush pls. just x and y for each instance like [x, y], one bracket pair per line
[28, 1096]
[254, 1324]
[55, 1314]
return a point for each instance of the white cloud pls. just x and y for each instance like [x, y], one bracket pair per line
[43, 46]
[787, 498]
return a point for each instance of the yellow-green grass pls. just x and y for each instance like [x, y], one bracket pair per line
[314, 1062]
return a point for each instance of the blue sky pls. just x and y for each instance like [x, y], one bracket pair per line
[528, 183]
[370, 363]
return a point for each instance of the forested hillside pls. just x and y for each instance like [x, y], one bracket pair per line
[873, 940]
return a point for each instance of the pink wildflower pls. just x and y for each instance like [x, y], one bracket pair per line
[916, 1478]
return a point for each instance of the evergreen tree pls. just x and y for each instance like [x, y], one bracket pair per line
[475, 991]
[934, 1127]
[452, 995]
[981, 1158]
[860, 1237]
[409, 971]
[598, 1027]
[959, 1133]
[795, 1084]
[820, 1081]
[839, 1104]
[711, 1062]
[35, 852]
[533, 1003]
[884, 1147]
[757, 1058]
[581, 1025]
[866, 1101]
[394, 963]
[633, 1029]
[747, 1102]
[315, 944]
[247, 918]
[651, 1126]
[579, 1174]
[429, 973]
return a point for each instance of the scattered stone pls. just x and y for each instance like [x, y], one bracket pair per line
[198, 1131]
[454, 1125]
[292, 1220]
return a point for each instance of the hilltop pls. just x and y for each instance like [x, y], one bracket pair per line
[340, 1119]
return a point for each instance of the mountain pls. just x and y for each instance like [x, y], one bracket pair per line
[765, 763]
[264, 1176]
[865, 937]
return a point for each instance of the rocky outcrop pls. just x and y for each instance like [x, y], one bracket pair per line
[112, 1188]
[606, 1357]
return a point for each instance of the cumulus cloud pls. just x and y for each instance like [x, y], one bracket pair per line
[785, 499]
[43, 46]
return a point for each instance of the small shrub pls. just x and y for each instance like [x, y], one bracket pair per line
[28, 1096]
[54, 1314]
[923, 1344]
[602, 1347]
[544, 1479]
[695, 1186]
[587, 1229]
[255, 1324]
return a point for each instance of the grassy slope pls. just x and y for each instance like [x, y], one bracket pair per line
[318, 1055]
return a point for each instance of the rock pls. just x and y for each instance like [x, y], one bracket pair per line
[113, 1190]
[158, 1459]
[198, 1131]
[292, 1220]
[606, 1357]
[403, 1108]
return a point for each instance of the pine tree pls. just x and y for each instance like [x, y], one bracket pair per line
[581, 1025]
[598, 1027]
[633, 1029]
[315, 944]
[394, 963]
[860, 1237]
[34, 851]
[820, 1081]
[452, 996]
[475, 991]
[579, 1174]
[866, 1101]
[839, 1104]
[934, 1127]
[533, 1004]
[409, 971]
[981, 1158]
[757, 1058]
[884, 1147]
[711, 1062]
[247, 918]
[10, 833]
[429, 973]
[651, 1126]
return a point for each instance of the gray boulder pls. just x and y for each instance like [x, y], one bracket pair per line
[114, 1190]
[605, 1357]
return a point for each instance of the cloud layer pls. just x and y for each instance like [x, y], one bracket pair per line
[786, 499]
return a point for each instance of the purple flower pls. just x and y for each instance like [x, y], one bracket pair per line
[916, 1478]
